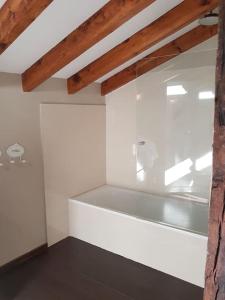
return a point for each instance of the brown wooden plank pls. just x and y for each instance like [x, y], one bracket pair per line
[102, 23]
[174, 20]
[16, 16]
[215, 268]
[158, 57]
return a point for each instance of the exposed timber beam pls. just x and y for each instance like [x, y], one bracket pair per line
[215, 269]
[97, 27]
[16, 16]
[158, 57]
[172, 21]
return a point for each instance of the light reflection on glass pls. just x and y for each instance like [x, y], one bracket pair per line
[175, 90]
[174, 215]
[206, 95]
[140, 172]
[175, 115]
[138, 97]
[178, 171]
[204, 162]
[191, 183]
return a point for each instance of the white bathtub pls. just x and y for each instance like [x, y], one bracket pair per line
[163, 233]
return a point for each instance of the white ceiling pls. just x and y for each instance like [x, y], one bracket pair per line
[62, 17]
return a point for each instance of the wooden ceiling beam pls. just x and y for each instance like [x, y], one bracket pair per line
[97, 27]
[158, 57]
[172, 21]
[16, 16]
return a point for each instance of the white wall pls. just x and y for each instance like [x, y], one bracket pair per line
[73, 138]
[177, 129]
[22, 206]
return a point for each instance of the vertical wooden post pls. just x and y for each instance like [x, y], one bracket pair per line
[215, 268]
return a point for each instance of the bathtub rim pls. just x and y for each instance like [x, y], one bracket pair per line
[133, 217]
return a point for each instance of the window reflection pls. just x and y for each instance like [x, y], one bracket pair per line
[204, 162]
[206, 95]
[178, 171]
[175, 90]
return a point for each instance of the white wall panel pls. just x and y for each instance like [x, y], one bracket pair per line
[73, 138]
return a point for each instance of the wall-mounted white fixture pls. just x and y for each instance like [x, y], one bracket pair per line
[210, 19]
[141, 143]
[15, 153]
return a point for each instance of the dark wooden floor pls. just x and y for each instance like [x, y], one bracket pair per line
[76, 270]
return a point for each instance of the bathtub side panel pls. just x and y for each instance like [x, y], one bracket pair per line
[175, 252]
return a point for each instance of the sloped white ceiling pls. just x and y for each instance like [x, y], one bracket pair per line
[62, 17]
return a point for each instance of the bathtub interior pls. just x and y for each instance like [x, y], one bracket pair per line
[183, 214]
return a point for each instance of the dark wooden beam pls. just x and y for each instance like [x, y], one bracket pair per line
[16, 16]
[97, 27]
[215, 269]
[158, 57]
[172, 21]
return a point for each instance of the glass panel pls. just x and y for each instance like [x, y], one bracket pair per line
[174, 121]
